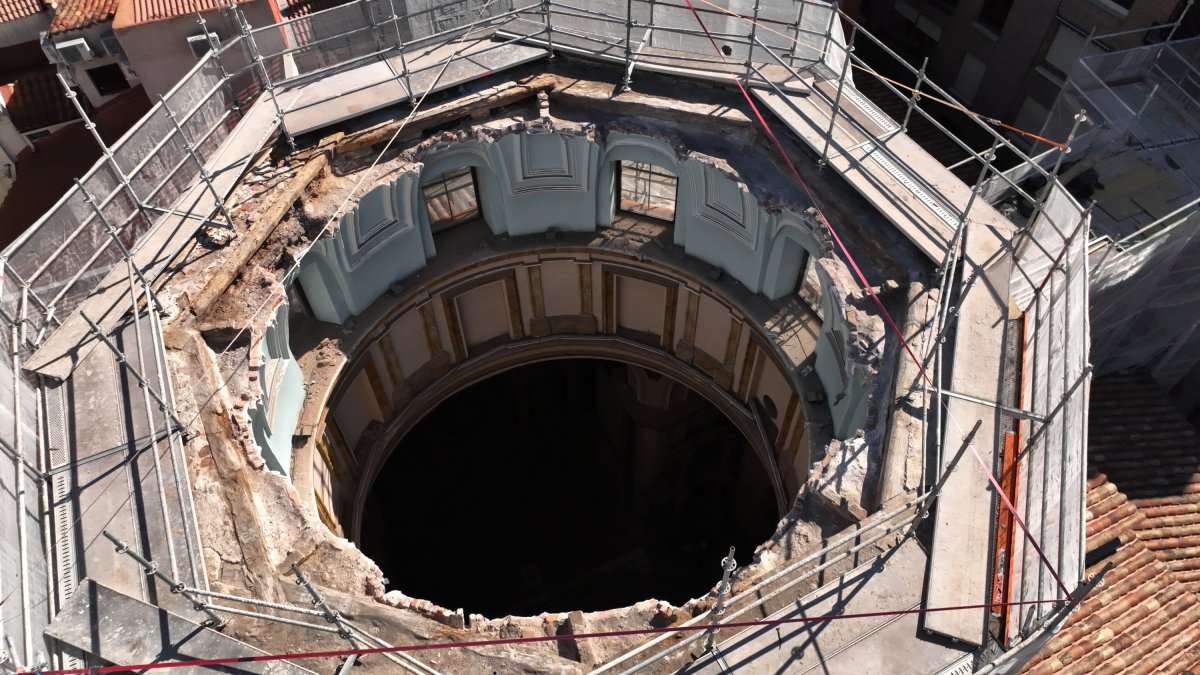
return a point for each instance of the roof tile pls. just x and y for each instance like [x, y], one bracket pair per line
[78, 14]
[1143, 489]
[11, 10]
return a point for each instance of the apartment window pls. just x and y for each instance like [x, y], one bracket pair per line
[969, 77]
[994, 14]
[108, 79]
[648, 190]
[1067, 48]
[451, 199]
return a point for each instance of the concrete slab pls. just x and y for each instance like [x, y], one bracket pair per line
[909, 187]
[116, 463]
[131, 629]
[961, 549]
[377, 84]
[851, 646]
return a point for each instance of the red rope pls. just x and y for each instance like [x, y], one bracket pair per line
[862, 278]
[296, 656]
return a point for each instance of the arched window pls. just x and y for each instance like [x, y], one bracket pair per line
[648, 190]
[451, 198]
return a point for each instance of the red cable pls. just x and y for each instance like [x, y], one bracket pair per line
[512, 641]
[879, 303]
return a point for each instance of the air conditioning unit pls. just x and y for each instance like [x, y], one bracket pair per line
[112, 46]
[74, 51]
[201, 45]
[48, 49]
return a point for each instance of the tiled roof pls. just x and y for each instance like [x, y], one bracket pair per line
[11, 10]
[36, 99]
[1142, 620]
[46, 174]
[1152, 453]
[146, 11]
[1146, 617]
[78, 14]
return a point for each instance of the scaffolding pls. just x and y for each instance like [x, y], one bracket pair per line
[1139, 159]
[96, 232]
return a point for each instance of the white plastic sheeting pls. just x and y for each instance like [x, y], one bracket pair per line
[1055, 376]
[1146, 301]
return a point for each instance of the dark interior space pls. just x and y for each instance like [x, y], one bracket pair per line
[568, 484]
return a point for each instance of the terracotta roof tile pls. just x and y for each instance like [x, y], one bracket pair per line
[77, 14]
[1146, 617]
[147, 11]
[45, 174]
[36, 99]
[11, 10]
[1152, 454]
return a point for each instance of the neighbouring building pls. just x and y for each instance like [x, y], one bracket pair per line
[164, 40]
[1008, 59]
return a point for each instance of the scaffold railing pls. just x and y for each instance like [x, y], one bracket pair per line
[98, 224]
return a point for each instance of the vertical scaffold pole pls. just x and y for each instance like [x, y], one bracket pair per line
[837, 99]
[256, 56]
[549, 28]
[104, 149]
[753, 40]
[150, 424]
[1080, 118]
[916, 95]
[796, 34]
[204, 174]
[214, 46]
[728, 565]
[18, 329]
[400, 48]
[369, 17]
[628, 78]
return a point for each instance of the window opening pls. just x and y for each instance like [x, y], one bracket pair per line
[995, 13]
[648, 190]
[451, 199]
[108, 79]
[809, 288]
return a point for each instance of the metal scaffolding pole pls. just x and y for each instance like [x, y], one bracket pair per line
[549, 28]
[98, 332]
[837, 99]
[728, 565]
[18, 329]
[1080, 118]
[753, 40]
[628, 79]
[262, 69]
[204, 174]
[104, 149]
[400, 48]
[214, 46]
[150, 423]
[916, 95]
[215, 621]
